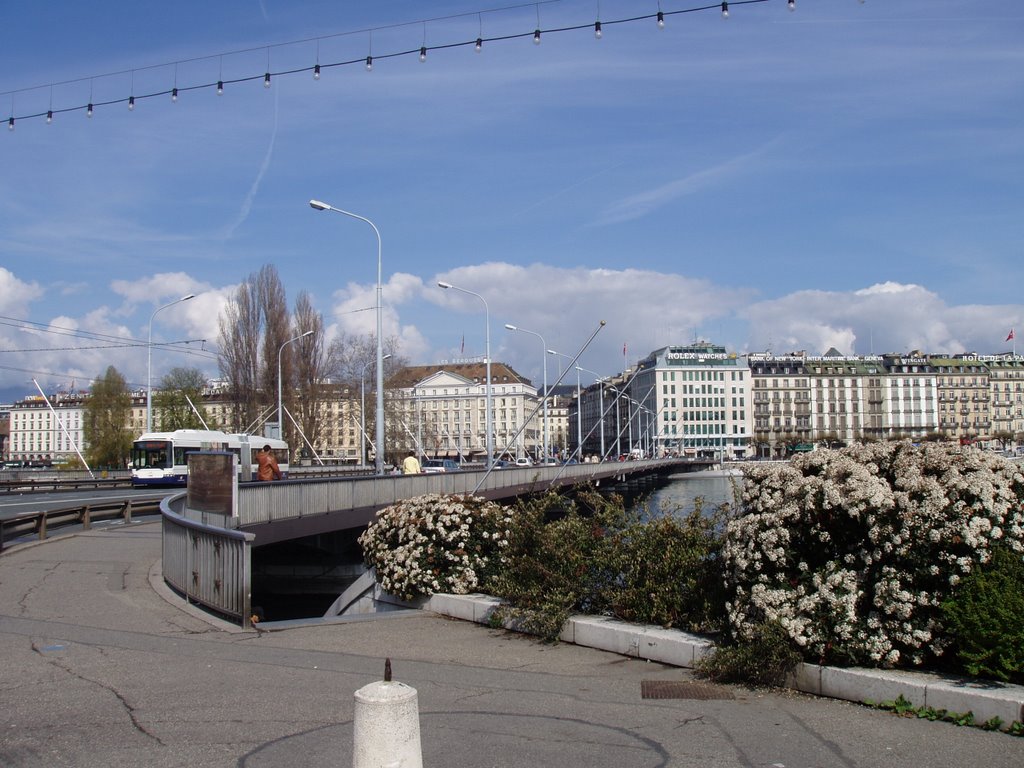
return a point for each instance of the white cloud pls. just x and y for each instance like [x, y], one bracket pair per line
[885, 317]
[156, 289]
[15, 294]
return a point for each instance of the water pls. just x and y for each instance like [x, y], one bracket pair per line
[680, 494]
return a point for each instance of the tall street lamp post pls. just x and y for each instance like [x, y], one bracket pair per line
[579, 408]
[149, 361]
[379, 458]
[489, 440]
[544, 361]
[280, 410]
[362, 412]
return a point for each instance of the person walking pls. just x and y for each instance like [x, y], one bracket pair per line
[411, 465]
[267, 468]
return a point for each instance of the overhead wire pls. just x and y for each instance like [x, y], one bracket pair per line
[316, 68]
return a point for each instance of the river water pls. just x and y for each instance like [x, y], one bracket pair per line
[682, 493]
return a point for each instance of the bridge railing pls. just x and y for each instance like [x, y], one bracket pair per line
[210, 564]
[261, 503]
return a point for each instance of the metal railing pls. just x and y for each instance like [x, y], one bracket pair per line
[209, 564]
[38, 524]
[261, 503]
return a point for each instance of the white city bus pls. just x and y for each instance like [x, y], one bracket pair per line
[161, 458]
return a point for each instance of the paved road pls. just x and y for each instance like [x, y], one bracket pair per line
[102, 667]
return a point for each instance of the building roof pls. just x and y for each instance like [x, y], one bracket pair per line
[412, 375]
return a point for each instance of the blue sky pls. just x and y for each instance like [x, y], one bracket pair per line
[850, 175]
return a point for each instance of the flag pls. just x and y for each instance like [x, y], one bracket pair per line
[1010, 337]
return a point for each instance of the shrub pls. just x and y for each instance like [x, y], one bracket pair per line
[985, 618]
[435, 543]
[852, 552]
[556, 562]
[668, 572]
[764, 656]
[592, 557]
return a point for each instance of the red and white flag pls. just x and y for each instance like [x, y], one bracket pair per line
[1010, 336]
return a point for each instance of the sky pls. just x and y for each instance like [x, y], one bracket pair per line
[848, 175]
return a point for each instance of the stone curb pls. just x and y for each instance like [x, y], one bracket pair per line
[681, 649]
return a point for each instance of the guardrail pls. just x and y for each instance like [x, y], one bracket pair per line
[209, 564]
[39, 523]
[33, 484]
[260, 504]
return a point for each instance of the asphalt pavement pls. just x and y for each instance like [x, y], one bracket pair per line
[104, 666]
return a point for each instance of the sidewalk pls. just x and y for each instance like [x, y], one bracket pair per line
[102, 666]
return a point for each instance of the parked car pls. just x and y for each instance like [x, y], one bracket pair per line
[524, 461]
[439, 465]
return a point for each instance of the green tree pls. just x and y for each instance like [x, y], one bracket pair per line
[171, 402]
[106, 420]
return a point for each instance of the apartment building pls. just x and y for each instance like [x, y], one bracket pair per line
[442, 411]
[695, 399]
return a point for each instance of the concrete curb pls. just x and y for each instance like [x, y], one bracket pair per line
[867, 686]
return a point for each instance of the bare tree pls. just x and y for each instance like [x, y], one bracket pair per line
[351, 360]
[311, 371]
[254, 325]
[238, 357]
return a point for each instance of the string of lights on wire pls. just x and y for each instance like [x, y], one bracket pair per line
[660, 18]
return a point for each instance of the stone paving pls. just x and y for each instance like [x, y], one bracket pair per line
[103, 666]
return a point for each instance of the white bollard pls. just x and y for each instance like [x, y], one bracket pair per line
[386, 727]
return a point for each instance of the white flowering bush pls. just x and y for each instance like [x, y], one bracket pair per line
[854, 551]
[435, 543]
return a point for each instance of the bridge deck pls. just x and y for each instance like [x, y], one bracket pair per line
[292, 509]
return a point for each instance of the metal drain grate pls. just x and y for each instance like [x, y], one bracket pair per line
[682, 689]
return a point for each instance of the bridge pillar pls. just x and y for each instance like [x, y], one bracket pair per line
[386, 726]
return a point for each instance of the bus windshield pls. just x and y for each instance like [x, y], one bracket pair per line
[151, 454]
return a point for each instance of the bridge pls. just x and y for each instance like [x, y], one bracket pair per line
[208, 556]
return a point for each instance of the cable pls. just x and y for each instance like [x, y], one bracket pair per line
[316, 69]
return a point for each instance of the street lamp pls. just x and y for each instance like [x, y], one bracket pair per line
[149, 362]
[489, 440]
[579, 410]
[544, 360]
[600, 381]
[362, 411]
[280, 411]
[379, 462]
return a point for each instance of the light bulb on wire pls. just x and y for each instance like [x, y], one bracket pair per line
[536, 37]
[661, 20]
[369, 63]
[423, 53]
[131, 103]
[791, 4]
[479, 44]
[88, 110]
[725, 10]
[220, 87]
[597, 30]
[10, 124]
[266, 80]
[49, 116]
[316, 72]
[174, 94]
